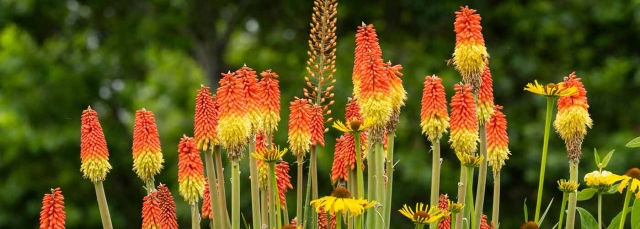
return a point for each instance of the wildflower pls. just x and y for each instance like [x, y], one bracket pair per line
[299, 130]
[147, 154]
[455, 207]
[443, 205]
[470, 160]
[190, 170]
[599, 179]
[497, 140]
[234, 126]
[263, 167]
[631, 177]
[270, 101]
[93, 148]
[485, 96]
[344, 159]
[168, 207]
[151, 211]
[573, 118]
[421, 215]
[551, 89]
[352, 112]
[253, 95]
[340, 201]
[483, 223]
[433, 115]
[283, 181]
[205, 125]
[398, 95]
[317, 125]
[352, 127]
[52, 215]
[470, 53]
[322, 221]
[567, 186]
[529, 225]
[464, 122]
[206, 201]
[270, 156]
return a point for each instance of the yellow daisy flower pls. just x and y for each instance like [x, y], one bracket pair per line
[421, 216]
[354, 126]
[631, 177]
[551, 89]
[567, 186]
[598, 179]
[272, 155]
[340, 201]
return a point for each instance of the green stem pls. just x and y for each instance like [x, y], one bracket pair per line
[224, 213]
[562, 209]
[599, 210]
[482, 178]
[469, 208]
[150, 186]
[103, 206]
[353, 189]
[213, 188]
[371, 186]
[543, 163]
[380, 195]
[285, 214]
[389, 185]
[195, 216]
[255, 187]
[360, 178]
[339, 220]
[264, 208]
[309, 213]
[495, 218]
[627, 198]
[571, 214]
[461, 197]
[419, 226]
[235, 194]
[275, 203]
[314, 182]
[453, 221]
[435, 176]
[299, 190]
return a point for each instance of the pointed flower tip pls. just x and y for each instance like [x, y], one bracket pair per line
[147, 154]
[52, 215]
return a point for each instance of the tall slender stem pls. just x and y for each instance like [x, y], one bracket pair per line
[274, 217]
[627, 198]
[353, 188]
[482, 178]
[150, 186]
[235, 194]
[571, 214]
[213, 188]
[562, 209]
[339, 220]
[299, 189]
[389, 185]
[103, 206]
[543, 163]
[371, 185]
[264, 208]
[360, 177]
[495, 217]
[313, 170]
[255, 187]
[195, 216]
[462, 192]
[435, 176]
[470, 207]
[599, 210]
[224, 213]
[453, 222]
[380, 194]
[307, 213]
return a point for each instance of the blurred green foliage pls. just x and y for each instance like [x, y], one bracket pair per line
[58, 57]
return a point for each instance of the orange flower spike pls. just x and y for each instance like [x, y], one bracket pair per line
[270, 102]
[147, 154]
[299, 129]
[94, 155]
[497, 140]
[283, 181]
[206, 201]
[169, 219]
[190, 170]
[374, 97]
[483, 222]
[353, 113]
[151, 212]
[485, 96]
[443, 204]
[338, 168]
[252, 95]
[573, 117]
[398, 93]
[433, 115]
[205, 125]
[234, 127]
[52, 215]
[470, 53]
[464, 122]
[317, 125]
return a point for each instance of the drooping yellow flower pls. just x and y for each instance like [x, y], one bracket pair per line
[353, 126]
[551, 89]
[270, 156]
[340, 201]
[422, 216]
[598, 179]
[568, 186]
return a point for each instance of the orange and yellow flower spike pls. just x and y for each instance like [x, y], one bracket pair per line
[485, 96]
[151, 211]
[338, 168]
[464, 121]
[497, 140]
[573, 118]
[283, 181]
[206, 201]
[433, 115]
[147, 154]
[52, 215]
[299, 128]
[190, 170]
[253, 95]
[317, 125]
[205, 125]
[94, 155]
[470, 53]
[398, 94]
[234, 127]
[270, 102]
[168, 207]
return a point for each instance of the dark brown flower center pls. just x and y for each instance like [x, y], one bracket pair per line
[529, 225]
[549, 87]
[340, 192]
[288, 226]
[420, 215]
[355, 125]
[633, 173]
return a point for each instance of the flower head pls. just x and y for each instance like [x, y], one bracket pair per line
[206, 200]
[398, 95]
[352, 113]
[551, 89]
[190, 170]
[323, 221]
[353, 126]
[283, 181]
[317, 125]
[299, 129]
[93, 148]
[485, 96]
[205, 125]
[270, 101]
[147, 154]
[573, 118]
[344, 158]
[151, 211]
[263, 167]
[497, 139]
[455, 207]
[341, 202]
[443, 205]
[567, 186]
[434, 118]
[270, 156]
[253, 95]
[168, 207]
[599, 179]
[630, 178]
[422, 216]
[234, 126]
[52, 215]
[464, 122]
[529, 225]
[470, 53]
[470, 160]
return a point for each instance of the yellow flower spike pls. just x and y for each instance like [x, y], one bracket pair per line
[551, 89]
[421, 215]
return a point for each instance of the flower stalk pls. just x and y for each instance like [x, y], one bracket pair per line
[457, 218]
[223, 196]
[215, 218]
[371, 187]
[255, 187]
[435, 176]
[469, 210]
[235, 194]
[389, 184]
[599, 210]
[573, 196]
[299, 189]
[482, 178]
[562, 209]
[379, 180]
[103, 206]
[495, 217]
[627, 199]
[195, 216]
[275, 218]
[545, 147]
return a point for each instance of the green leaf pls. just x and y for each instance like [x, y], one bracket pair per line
[586, 219]
[597, 157]
[526, 215]
[634, 143]
[545, 213]
[586, 193]
[635, 215]
[615, 223]
[607, 158]
[613, 189]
